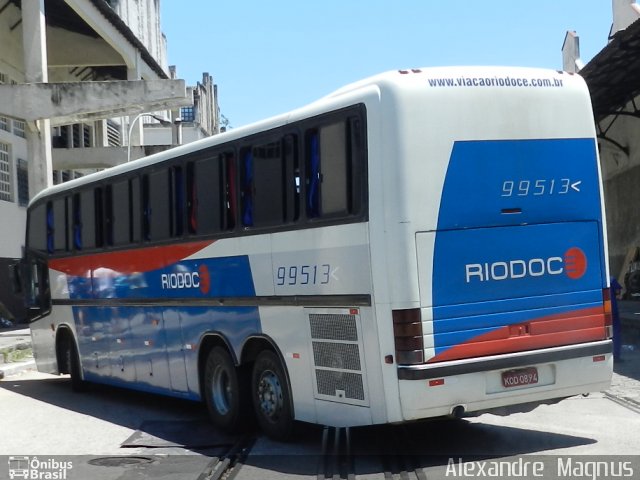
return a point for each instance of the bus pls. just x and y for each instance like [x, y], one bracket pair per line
[422, 243]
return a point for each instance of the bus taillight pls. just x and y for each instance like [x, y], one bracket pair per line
[608, 315]
[407, 332]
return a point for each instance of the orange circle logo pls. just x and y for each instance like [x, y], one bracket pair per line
[575, 262]
[205, 279]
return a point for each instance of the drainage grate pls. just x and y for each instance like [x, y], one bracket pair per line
[119, 461]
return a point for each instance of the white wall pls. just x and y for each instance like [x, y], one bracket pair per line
[13, 218]
[14, 222]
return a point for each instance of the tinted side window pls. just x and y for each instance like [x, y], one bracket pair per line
[292, 185]
[156, 195]
[206, 195]
[38, 228]
[327, 171]
[59, 225]
[87, 215]
[99, 216]
[135, 210]
[230, 187]
[77, 222]
[121, 213]
[177, 200]
[334, 168]
[268, 185]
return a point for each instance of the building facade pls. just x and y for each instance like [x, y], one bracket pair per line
[612, 77]
[67, 111]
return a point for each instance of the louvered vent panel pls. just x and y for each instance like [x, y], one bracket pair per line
[344, 356]
[334, 383]
[333, 327]
[337, 357]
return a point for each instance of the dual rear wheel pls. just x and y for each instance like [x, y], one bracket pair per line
[235, 396]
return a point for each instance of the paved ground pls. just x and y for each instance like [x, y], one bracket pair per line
[625, 384]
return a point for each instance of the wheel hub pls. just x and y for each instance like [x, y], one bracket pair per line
[221, 390]
[270, 394]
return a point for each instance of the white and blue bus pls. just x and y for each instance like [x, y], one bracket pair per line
[422, 243]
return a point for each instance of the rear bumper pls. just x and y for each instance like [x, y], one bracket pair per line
[475, 385]
[502, 362]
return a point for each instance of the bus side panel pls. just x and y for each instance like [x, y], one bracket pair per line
[150, 347]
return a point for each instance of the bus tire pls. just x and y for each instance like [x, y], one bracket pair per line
[226, 392]
[271, 399]
[73, 363]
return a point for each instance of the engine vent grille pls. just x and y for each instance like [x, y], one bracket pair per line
[333, 327]
[343, 356]
[340, 384]
[337, 356]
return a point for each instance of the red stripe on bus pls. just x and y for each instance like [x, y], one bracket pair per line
[128, 261]
[580, 326]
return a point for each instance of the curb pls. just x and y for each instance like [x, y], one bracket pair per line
[624, 401]
[10, 369]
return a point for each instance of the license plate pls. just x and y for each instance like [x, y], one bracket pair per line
[522, 376]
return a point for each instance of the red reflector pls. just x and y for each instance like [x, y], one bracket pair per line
[409, 343]
[354, 311]
[411, 315]
[599, 358]
[436, 382]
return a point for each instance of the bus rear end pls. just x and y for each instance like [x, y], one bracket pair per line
[512, 276]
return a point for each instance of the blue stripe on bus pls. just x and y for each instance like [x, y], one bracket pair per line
[489, 320]
[150, 348]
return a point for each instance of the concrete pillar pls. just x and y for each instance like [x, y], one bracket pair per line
[38, 133]
[625, 12]
[571, 53]
[136, 136]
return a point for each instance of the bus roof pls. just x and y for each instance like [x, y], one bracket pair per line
[444, 77]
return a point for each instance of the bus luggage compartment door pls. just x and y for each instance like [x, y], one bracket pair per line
[504, 289]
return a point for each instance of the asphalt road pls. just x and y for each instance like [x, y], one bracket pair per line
[110, 433]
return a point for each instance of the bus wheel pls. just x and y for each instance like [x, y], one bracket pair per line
[224, 392]
[73, 364]
[270, 394]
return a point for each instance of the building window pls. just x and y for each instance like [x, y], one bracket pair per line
[4, 123]
[113, 133]
[18, 128]
[87, 135]
[5, 173]
[188, 114]
[23, 182]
